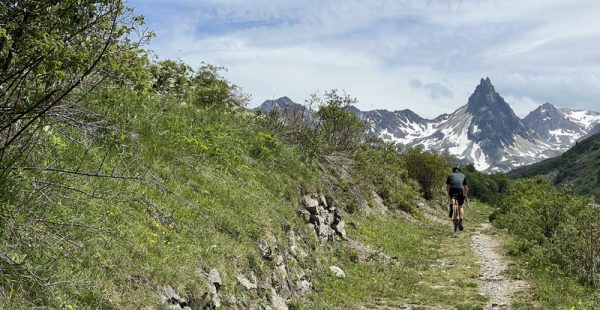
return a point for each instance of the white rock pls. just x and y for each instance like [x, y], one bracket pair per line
[310, 204]
[304, 286]
[298, 252]
[214, 277]
[277, 301]
[278, 260]
[323, 201]
[246, 283]
[337, 271]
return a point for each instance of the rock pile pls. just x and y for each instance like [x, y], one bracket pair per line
[323, 215]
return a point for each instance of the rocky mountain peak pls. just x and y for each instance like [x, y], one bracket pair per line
[545, 111]
[494, 123]
[550, 124]
[486, 99]
[548, 107]
[283, 103]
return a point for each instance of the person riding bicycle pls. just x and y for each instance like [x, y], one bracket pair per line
[457, 188]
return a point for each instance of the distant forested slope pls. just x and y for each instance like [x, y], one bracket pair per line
[579, 167]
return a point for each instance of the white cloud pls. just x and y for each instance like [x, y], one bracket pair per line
[534, 51]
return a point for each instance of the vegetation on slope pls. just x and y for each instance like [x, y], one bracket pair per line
[555, 231]
[119, 176]
[122, 176]
[577, 167]
[151, 190]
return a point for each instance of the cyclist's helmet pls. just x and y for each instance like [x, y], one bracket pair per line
[456, 169]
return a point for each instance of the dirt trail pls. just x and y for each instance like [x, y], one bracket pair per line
[492, 264]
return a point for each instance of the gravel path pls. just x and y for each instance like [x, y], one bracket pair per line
[492, 264]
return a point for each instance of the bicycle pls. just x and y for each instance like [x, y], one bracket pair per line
[455, 213]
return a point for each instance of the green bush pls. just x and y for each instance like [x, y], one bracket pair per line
[428, 169]
[385, 168]
[488, 188]
[557, 228]
[331, 129]
[339, 129]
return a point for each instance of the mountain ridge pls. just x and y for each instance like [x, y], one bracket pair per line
[485, 131]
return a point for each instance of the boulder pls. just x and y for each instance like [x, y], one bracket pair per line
[310, 204]
[304, 286]
[280, 276]
[340, 229]
[277, 302]
[337, 271]
[214, 278]
[321, 211]
[265, 249]
[168, 295]
[278, 260]
[298, 252]
[323, 201]
[325, 231]
[246, 283]
[315, 219]
[305, 214]
[329, 218]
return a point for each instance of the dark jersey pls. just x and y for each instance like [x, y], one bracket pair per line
[456, 180]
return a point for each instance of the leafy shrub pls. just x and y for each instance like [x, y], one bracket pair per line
[428, 169]
[385, 169]
[328, 130]
[557, 228]
[488, 188]
[339, 129]
[171, 77]
[210, 89]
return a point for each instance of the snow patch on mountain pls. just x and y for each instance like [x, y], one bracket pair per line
[588, 119]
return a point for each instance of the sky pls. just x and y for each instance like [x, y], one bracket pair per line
[423, 55]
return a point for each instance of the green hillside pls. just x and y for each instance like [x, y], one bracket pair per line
[154, 193]
[132, 183]
[578, 167]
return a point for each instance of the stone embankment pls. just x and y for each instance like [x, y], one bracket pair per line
[290, 276]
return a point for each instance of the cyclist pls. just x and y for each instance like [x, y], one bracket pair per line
[457, 187]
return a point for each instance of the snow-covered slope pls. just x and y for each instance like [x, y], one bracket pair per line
[552, 125]
[561, 128]
[399, 126]
[587, 119]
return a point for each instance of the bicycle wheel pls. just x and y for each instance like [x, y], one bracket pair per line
[455, 218]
